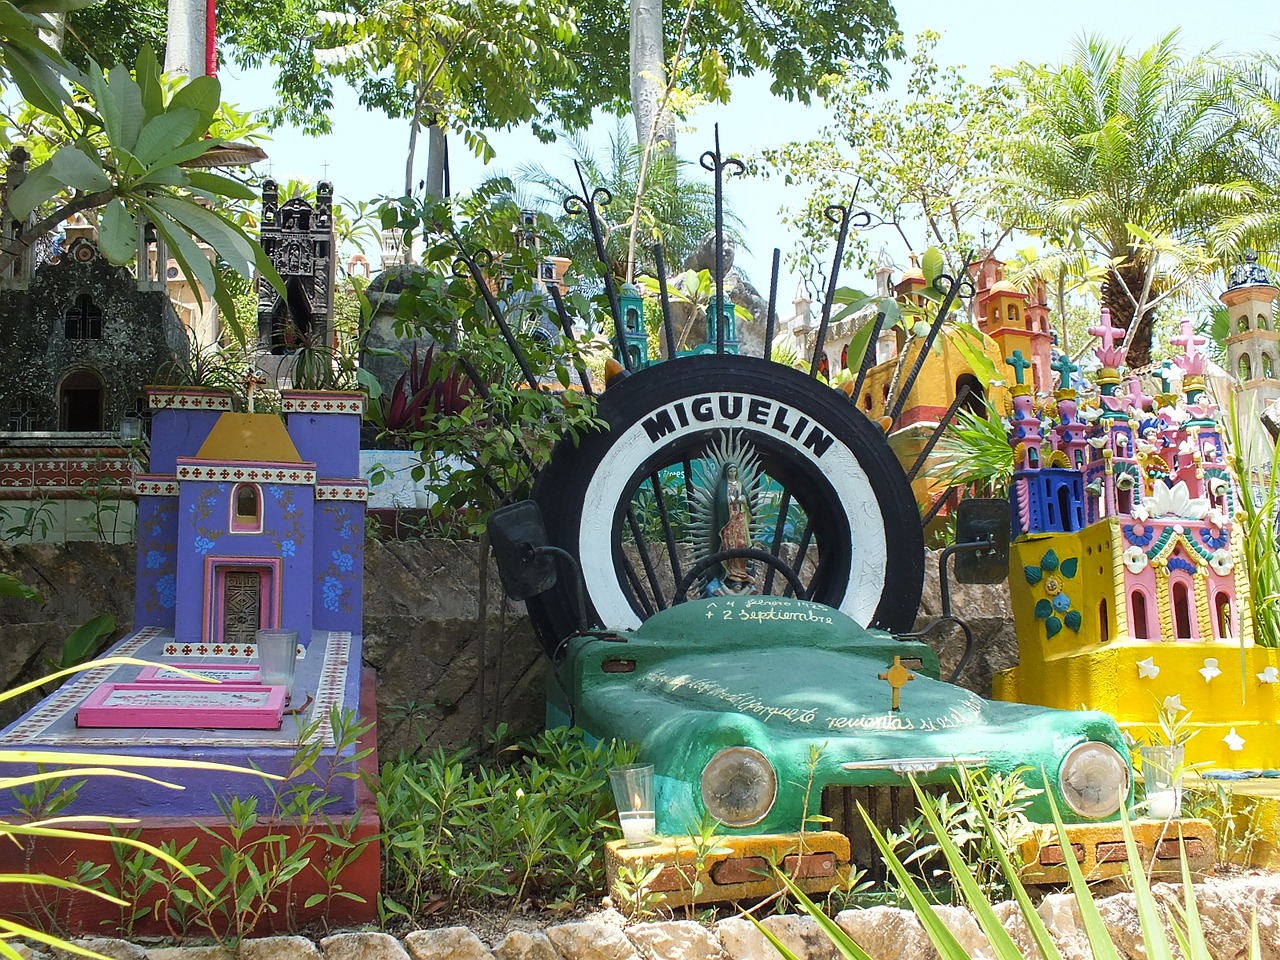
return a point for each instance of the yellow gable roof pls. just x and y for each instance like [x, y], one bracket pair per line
[249, 438]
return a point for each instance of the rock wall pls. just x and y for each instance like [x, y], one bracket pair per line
[1226, 907]
[422, 633]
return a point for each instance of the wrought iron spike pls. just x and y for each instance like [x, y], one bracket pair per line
[868, 355]
[953, 289]
[668, 327]
[772, 313]
[961, 396]
[846, 217]
[477, 275]
[589, 202]
[566, 325]
[713, 161]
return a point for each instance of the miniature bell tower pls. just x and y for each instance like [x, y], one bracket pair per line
[1253, 346]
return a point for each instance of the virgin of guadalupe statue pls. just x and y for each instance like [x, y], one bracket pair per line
[724, 499]
[736, 531]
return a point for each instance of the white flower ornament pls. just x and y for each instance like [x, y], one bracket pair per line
[1210, 669]
[1140, 512]
[1147, 669]
[1269, 675]
[1233, 740]
[1173, 703]
[1221, 562]
[1135, 559]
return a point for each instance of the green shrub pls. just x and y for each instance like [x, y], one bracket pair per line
[457, 834]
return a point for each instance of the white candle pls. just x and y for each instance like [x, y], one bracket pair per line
[1162, 804]
[638, 828]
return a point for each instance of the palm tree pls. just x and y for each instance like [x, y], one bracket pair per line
[1112, 141]
[675, 208]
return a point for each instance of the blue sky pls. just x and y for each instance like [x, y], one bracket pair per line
[365, 154]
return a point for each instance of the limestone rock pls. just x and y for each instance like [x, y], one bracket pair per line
[363, 946]
[802, 936]
[206, 952]
[591, 940]
[523, 945]
[887, 933]
[675, 940]
[742, 941]
[279, 948]
[965, 929]
[107, 946]
[446, 943]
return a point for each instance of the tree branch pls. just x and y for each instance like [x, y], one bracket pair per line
[16, 246]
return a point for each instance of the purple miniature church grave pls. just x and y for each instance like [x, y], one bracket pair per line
[246, 521]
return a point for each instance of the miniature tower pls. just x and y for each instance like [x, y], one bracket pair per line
[1005, 314]
[634, 333]
[1253, 346]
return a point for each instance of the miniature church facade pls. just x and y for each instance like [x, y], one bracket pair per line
[1128, 579]
[249, 522]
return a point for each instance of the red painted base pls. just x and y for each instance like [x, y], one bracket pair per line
[80, 914]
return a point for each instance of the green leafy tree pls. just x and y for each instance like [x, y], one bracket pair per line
[462, 65]
[127, 155]
[624, 65]
[1138, 158]
[924, 165]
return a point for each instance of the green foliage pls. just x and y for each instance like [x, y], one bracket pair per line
[726, 40]
[1135, 158]
[229, 898]
[974, 453]
[44, 794]
[1259, 502]
[999, 800]
[11, 586]
[488, 442]
[1237, 824]
[1188, 933]
[462, 65]
[927, 160]
[462, 835]
[124, 153]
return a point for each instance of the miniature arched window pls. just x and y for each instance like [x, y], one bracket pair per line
[866, 402]
[1222, 607]
[1262, 322]
[1267, 370]
[1104, 622]
[824, 368]
[974, 402]
[246, 508]
[885, 398]
[1139, 627]
[1124, 500]
[80, 405]
[633, 320]
[1244, 322]
[1245, 369]
[83, 319]
[1180, 600]
[844, 357]
[1013, 314]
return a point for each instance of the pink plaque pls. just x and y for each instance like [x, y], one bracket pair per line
[191, 706]
[222, 672]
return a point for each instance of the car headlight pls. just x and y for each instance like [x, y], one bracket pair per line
[1094, 779]
[739, 786]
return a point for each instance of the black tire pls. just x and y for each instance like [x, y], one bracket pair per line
[809, 437]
